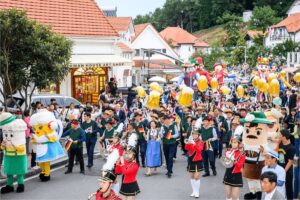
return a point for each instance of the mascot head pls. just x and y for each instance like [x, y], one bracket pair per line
[273, 116]
[255, 129]
[43, 123]
[13, 129]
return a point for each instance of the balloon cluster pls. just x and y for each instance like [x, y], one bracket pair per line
[272, 84]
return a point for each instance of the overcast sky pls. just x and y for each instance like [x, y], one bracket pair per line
[132, 7]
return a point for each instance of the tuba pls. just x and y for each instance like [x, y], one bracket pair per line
[92, 196]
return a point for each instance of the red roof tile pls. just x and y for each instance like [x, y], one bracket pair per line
[68, 17]
[124, 47]
[139, 63]
[177, 35]
[120, 23]
[139, 29]
[291, 23]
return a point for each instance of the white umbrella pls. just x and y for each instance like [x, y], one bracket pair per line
[157, 79]
[175, 79]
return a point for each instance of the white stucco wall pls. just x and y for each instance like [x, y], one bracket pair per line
[150, 39]
[93, 45]
[65, 86]
[185, 51]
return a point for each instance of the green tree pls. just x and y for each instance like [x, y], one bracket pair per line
[262, 18]
[31, 56]
[280, 51]
[279, 6]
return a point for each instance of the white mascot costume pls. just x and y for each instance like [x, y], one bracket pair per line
[14, 146]
[47, 132]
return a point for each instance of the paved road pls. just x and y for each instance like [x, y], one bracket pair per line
[77, 186]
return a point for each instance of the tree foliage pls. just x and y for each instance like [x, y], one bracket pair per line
[199, 14]
[32, 56]
[262, 18]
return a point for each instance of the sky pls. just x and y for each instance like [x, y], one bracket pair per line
[132, 7]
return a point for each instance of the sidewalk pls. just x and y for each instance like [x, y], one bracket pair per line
[57, 163]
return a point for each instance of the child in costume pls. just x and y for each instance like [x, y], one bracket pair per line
[194, 146]
[15, 160]
[47, 131]
[255, 141]
[129, 168]
[107, 178]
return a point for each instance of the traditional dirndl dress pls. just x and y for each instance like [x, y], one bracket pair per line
[233, 179]
[194, 166]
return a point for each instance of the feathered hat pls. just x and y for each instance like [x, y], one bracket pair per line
[132, 142]
[107, 173]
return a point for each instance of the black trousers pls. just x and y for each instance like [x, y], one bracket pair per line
[289, 183]
[208, 158]
[32, 161]
[78, 151]
[142, 150]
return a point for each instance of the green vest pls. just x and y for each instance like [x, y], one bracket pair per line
[109, 133]
[92, 125]
[75, 135]
[206, 133]
[166, 130]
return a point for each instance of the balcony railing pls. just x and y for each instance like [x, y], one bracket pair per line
[279, 37]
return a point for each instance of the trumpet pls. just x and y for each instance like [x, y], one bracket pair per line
[92, 196]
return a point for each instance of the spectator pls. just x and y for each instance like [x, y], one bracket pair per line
[268, 186]
[120, 113]
[286, 154]
[271, 158]
[27, 132]
[292, 100]
[1, 151]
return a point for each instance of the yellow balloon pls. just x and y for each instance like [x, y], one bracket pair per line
[225, 90]
[282, 74]
[271, 77]
[255, 81]
[214, 83]
[140, 91]
[287, 84]
[240, 91]
[262, 85]
[274, 88]
[297, 77]
[186, 96]
[153, 100]
[202, 83]
[266, 89]
[154, 86]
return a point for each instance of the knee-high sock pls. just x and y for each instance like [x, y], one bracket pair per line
[116, 188]
[197, 186]
[20, 178]
[193, 185]
[47, 168]
[10, 180]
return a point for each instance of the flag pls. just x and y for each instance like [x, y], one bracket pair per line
[169, 135]
[68, 144]
[141, 130]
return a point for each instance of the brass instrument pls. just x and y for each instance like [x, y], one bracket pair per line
[189, 140]
[92, 196]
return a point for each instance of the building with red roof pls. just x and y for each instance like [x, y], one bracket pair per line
[94, 58]
[184, 43]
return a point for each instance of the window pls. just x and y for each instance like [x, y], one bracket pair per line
[137, 52]
[164, 51]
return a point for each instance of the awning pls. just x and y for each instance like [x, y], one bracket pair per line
[99, 60]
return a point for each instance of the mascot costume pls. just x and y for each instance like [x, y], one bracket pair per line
[273, 116]
[219, 74]
[15, 159]
[255, 140]
[47, 131]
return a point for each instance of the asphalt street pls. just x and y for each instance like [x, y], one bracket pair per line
[77, 186]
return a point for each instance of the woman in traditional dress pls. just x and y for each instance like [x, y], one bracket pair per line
[153, 153]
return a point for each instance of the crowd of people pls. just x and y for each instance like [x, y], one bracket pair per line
[212, 127]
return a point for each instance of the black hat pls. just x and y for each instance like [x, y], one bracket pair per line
[285, 133]
[132, 149]
[108, 176]
[117, 134]
[116, 117]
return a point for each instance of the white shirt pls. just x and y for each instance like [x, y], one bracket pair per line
[270, 195]
[280, 172]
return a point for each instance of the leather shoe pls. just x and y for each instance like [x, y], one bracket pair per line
[68, 172]
[205, 175]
